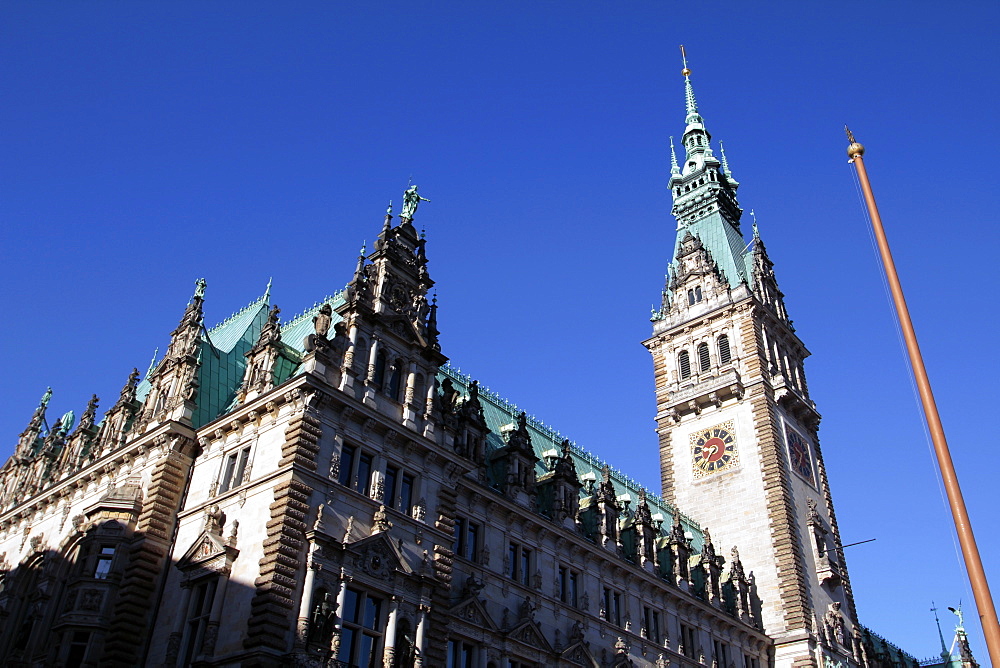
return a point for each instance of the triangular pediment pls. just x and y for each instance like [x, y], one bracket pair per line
[528, 634]
[579, 654]
[378, 556]
[473, 611]
[206, 548]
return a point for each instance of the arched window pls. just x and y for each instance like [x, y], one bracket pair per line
[690, 297]
[697, 293]
[725, 355]
[684, 364]
[704, 360]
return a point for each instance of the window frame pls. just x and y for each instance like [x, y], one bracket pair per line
[521, 560]
[234, 468]
[467, 541]
[197, 617]
[684, 364]
[355, 626]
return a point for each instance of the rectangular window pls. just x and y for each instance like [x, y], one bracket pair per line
[389, 486]
[651, 620]
[347, 456]
[569, 586]
[361, 635]
[398, 490]
[461, 654]
[612, 606]
[519, 564]
[721, 653]
[102, 567]
[77, 649]
[405, 505]
[363, 480]
[688, 641]
[466, 544]
[234, 469]
[751, 662]
[199, 609]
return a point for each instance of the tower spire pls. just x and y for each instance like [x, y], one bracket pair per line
[725, 163]
[674, 169]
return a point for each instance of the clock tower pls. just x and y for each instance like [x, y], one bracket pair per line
[739, 449]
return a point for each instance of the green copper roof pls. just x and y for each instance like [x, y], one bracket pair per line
[499, 412]
[728, 248]
[223, 359]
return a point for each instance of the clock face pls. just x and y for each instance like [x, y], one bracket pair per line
[713, 450]
[798, 453]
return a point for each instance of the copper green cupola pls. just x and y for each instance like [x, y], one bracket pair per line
[704, 196]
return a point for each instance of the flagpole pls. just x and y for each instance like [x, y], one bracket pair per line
[973, 563]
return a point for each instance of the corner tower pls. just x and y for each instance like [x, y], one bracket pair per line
[738, 433]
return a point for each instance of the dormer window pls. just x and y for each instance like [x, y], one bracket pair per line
[697, 293]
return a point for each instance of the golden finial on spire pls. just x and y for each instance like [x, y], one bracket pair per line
[684, 59]
[855, 149]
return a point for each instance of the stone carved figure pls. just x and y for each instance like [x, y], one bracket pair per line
[321, 323]
[411, 200]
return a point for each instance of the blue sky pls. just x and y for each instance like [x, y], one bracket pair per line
[147, 144]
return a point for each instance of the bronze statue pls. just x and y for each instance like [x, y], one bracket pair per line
[410, 202]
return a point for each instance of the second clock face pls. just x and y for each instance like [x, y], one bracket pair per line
[713, 450]
[798, 452]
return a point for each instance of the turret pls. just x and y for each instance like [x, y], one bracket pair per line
[175, 380]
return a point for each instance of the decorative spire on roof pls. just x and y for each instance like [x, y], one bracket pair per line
[674, 168]
[152, 363]
[696, 138]
[725, 163]
[267, 291]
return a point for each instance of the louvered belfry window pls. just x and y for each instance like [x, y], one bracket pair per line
[684, 364]
[704, 361]
[725, 355]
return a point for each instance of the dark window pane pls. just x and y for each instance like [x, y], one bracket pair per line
[346, 465]
[364, 473]
[373, 607]
[351, 605]
[227, 474]
[406, 494]
[472, 541]
[241, 467]
[389, 486]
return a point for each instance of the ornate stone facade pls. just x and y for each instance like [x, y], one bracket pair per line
[329, 492]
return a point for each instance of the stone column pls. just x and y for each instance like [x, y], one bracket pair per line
[174, 642]
[338, 624]
[347, 369]
[410, 415]
[370, 375]
[429, 409]
[390, 632]
[305, 605]
[421, 639]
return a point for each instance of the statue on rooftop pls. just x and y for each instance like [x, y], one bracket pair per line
[322, 321]
[411, 200]
[199, 288]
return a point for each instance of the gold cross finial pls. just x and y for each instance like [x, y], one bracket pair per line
[684, 59]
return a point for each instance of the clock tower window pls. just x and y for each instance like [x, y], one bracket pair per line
[684, 364]
[725, 354]
[704, 359]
